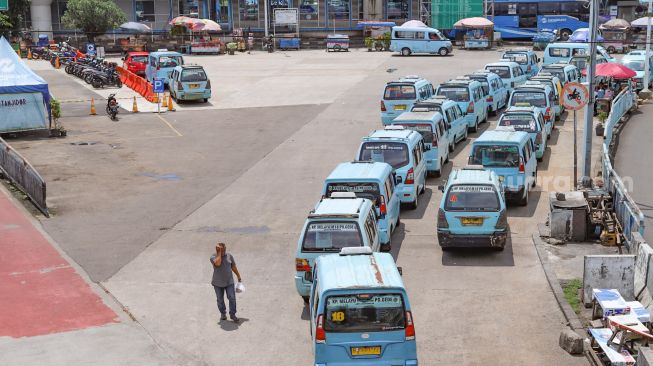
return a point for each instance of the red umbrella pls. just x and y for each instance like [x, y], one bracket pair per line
[613, 70]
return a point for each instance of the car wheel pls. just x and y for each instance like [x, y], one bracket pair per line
[438, 173]
[611, 49]
[206, 100]
[535, 180]
[524, 200]
[306, 299]
[451, 147]
[475, 128]
[386, 247]
[398, 222]
[443, 51]
[412, 205]
[466, 133]
[405, 51]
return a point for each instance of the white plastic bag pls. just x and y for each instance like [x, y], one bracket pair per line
[240, 287]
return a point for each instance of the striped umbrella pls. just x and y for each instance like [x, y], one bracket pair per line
[183, 21]
[206, 25]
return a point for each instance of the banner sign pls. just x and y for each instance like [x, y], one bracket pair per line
[22, 111]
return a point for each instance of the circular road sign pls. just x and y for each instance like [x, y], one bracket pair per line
[575, 96]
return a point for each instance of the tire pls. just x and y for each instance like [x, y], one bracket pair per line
[451, 148]
[119, 83]
[405, 51]
[412, 205]
[206, 100]
[438, 173]
[443, 51]
[475, 128]
[465, 135]
[386, 247]
[564, 34]
[539, 160]
[97, 83]
[88, 78]
[306, 299]
[535, 180]
[611, 49]
[524, 200]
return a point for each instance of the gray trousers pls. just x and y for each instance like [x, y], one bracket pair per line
[231, 296]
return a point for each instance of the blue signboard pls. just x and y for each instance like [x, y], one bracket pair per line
[90, 49]
[158, 86]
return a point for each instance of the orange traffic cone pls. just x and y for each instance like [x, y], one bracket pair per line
[171, 107]
[164, 103]
[93, 113]
[135, 106]
[57, 64]
[29, 53]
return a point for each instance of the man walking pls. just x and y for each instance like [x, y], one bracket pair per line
[223, 281]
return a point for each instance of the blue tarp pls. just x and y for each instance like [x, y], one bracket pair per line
[372, 23]
[16, 78]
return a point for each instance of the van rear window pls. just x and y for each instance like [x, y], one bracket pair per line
[142, 59]
[364, 313]
[484, 84]
[559, 52]
[367, 190]
[193, 75]
[331, 236]
[495, 156]
[502, 71]
[457, 94]
[170, 61]
[393, 153]
[520, 58]
[399, 92]
[426, 107]
[472, 198]
[535, 99]
[559, 73]
[425, 129]
[520, 122]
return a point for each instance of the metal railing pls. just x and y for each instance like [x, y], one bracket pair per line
[23, 175]
[629, 215]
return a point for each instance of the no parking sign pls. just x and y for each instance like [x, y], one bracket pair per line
[575, 96]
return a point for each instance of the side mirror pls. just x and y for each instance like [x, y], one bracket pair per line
[441, 188]
[539, 60]
[401, 271]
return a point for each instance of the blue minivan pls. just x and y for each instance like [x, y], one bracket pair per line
[404, 150]
[409, 40]
[496, 93]
[371, 180]
[454, 117]
[341, 221]
[538, 95]
[471, 98]
[527, 60]
[399, 96]
[509, 71]
[437, 139]
[472, 211]
[527, 119]
[359, 311]
[511, 155]
[161, 63]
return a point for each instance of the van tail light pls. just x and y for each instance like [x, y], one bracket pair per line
[383, 107]
[410, 177]
[502, 222]
[442, 219]
[320, 334]
[490, 99]
[301, 265]
[382, 207]
[208, 84]
[538, 138]
[521, 165]
[529, 68]
[470, 107]
[158, 68]
[410, 327]
[180, 86]
[434, 141]
[547, 114]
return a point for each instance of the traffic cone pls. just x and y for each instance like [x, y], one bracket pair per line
[164, 103]
[171, 107]
[29, 53]
[135, 106]
[93, 113]
[57, 64]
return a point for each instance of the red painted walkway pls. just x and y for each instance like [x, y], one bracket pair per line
[40, 293]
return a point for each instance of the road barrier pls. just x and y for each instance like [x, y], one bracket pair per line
[137, 83]
[629, 215]
[23, 175]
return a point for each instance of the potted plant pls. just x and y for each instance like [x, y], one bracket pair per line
[58, 130]
[232, 47]
[369, 43]
[600, 127]
[386, 41]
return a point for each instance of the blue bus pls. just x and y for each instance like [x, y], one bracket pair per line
[521, 19]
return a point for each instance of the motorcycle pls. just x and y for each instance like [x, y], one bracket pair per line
[112, 107]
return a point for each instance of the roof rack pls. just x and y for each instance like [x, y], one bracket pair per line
[394, 128]
[348, 195]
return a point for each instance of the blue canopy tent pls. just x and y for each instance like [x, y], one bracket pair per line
[24, 96]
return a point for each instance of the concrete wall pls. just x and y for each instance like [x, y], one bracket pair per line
[610, 272]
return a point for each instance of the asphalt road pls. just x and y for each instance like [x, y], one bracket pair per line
[142, 208]
[634, 146]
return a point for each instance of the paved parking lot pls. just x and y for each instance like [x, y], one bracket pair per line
[141, 208]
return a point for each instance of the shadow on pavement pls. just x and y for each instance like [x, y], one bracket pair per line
[555, 135]
[479, 257]
[306, 313]
[229, 325]
[544, 164]
[397, 239]
[528, 211]
[422, 203]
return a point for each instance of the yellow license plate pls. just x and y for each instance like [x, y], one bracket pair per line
[400, 107]
[366, 351]
[194, 86]
[472, 221]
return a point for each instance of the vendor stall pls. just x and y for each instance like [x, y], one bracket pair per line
[200, 38]
[617, 35]
[24, 96]
[479, 32]
[376, 34]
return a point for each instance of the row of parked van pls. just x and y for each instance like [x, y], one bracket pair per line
[359, 309]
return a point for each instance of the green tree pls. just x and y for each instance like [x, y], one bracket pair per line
[14, 18]
[93, 17]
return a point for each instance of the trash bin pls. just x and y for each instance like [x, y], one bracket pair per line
[569, 216]
[289, 43]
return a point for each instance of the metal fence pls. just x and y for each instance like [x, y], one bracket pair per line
[629, 215]
[23, 175]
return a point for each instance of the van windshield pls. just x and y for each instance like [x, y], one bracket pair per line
[193, 75]
[399, 92]
[369, 190]
[520, 122]
[364, 313]
[497, 156]
[457, 94]
[393, 153]
[425, 129]
[535, 99]
[170, 61]
[331, 236]
[520, 58]
[472, 198]
[502, 71]
[141, 59]
[635, 65]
